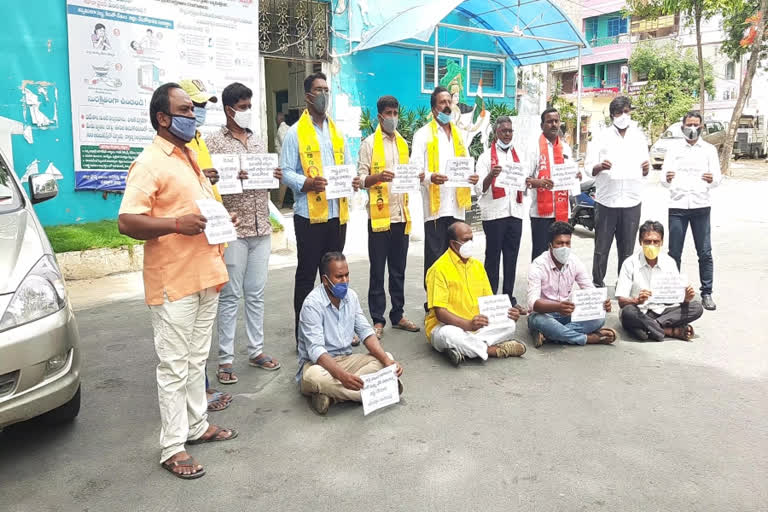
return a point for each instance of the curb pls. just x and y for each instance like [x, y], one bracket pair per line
[97, 263]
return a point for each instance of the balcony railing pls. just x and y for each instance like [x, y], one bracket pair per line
[608, 40]
[594, 83]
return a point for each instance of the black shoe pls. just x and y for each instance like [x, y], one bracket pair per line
[708, 303]
[640, 334]
[454, 356]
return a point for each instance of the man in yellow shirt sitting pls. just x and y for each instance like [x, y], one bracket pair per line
[454, 324]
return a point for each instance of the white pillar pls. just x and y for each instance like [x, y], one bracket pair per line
[578, 103]
[437, 60]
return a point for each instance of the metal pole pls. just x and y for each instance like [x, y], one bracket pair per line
[437, 67]
[578, 103]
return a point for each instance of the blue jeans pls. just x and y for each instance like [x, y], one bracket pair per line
[559, 328]
[247, 262]
[698, 218]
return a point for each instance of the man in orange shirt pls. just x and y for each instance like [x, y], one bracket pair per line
[182, 274]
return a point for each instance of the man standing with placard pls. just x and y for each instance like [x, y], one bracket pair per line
[320, 224]
[433, 145]
[389, 226]
[642, 314]
[691, 170]
[454, 324]
[501, 209]
[618, 158]
[547, 205]
[247, 258]
[550, 285]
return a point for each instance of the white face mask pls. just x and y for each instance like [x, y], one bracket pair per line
[465, 249]
[622, 121]
[502, 145]
[242, 119]
[561, 254]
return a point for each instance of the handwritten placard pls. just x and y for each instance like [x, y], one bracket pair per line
[458, 171]
[380, 389]
[228, 166]
[406, 180]
[218, 228]
[512, 176]
[589, 304]
[339, 181]
[689, 177]
[261, 171]
[667, 288]
[496, 308]
[564, 176]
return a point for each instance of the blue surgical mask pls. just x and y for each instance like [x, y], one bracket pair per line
[200, 113]
[443, 118]
[338, 290]
[183, 127]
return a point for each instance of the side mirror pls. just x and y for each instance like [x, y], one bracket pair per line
[42, 187]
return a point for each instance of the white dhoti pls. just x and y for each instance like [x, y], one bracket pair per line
[468, 343]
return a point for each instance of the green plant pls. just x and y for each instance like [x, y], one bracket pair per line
[91, 235]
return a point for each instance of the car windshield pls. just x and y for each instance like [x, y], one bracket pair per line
[10, 196]
[673, 132]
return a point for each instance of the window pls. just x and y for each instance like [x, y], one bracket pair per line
[730, 70]
[616, 26]
[10, 196]
[428, 67]
[590, 28]
[613, 74]
[491, 72]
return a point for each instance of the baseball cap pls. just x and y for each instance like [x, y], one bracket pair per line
[197, 92]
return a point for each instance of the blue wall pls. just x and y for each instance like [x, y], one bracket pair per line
[34, 43]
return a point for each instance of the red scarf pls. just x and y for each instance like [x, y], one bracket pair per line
[499, 192]
[548, 200]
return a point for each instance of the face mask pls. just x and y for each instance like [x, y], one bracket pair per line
[443, 118]
[502, 145]
[200, 116]
[651, 251]
[691, 132]
[242, 119]
[622, 121]
[561, 254]
[389, 124]
[465, 249]
[183, 127]
[320, 101]
[338, 290]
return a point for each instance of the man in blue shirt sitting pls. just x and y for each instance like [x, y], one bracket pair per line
[330, 317]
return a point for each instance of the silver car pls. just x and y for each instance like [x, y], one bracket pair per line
[39, 340]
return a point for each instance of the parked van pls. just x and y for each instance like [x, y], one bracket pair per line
[39, 340]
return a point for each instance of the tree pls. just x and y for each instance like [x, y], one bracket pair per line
[738, 15]
[659, 104]
[695, 9]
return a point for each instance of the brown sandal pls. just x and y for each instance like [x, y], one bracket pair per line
[406, 325]
[612, 333]
[215, 436]
[186, 463]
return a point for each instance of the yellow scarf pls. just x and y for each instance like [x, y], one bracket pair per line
[312, 163]
[463, 194]
[379, 208]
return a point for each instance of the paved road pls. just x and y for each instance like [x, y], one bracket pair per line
[670, 426]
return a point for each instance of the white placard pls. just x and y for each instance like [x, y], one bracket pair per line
[667, 288]
[689, 177]
[512, 176]
[564, 176]
[380, 389]
[218, 228]
[496, 308]
[589, 304]
[458, 171]
[228, 166]
[261, 171]
[339, 181]
[625, 165]
[406, 180]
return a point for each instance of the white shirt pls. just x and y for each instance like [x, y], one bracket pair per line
[635, 275]
[449, 207]
[507, 206]
[533, 161]
[701, 156]
[617, 193]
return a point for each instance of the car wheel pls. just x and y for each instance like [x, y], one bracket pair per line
[64, 413]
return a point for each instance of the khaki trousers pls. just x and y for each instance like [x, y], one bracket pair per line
[182, 332]
[316, 379]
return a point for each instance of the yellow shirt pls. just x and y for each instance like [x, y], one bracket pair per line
[455, 286]
[203, 158]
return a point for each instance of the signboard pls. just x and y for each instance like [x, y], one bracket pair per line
[120, 52]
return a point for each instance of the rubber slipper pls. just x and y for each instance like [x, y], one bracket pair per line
[168, 466]
[408, 326]
[260, 361]
[214, 438]
[232, 377]
[611, 333]
[217, 398]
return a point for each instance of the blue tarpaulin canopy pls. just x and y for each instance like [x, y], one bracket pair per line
[528, 31]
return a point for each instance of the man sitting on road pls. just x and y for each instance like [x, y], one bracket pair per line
[454, 324]
[550, 282]
[634, 291]
[330, 316]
